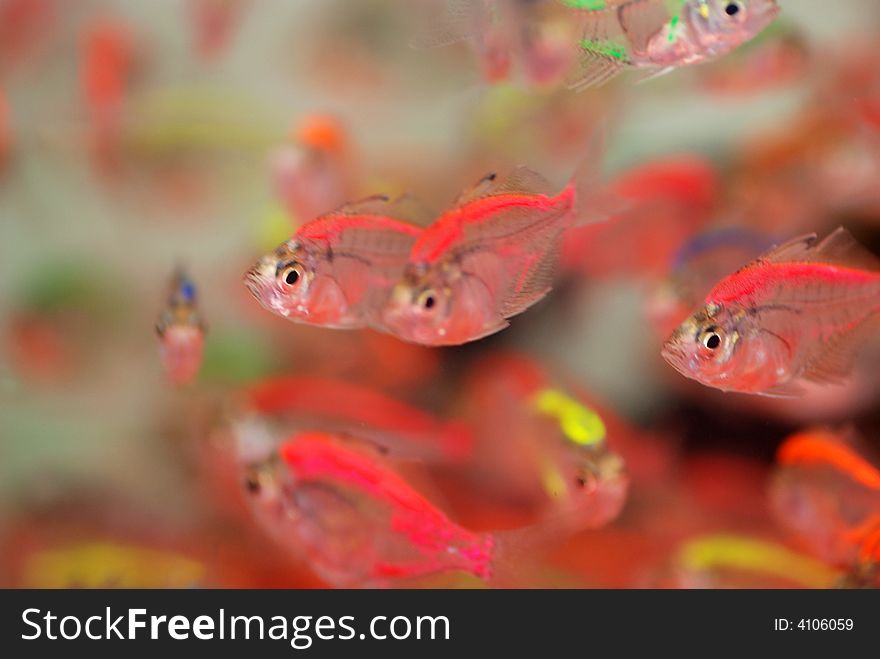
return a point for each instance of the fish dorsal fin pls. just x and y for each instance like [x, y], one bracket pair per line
[641, 20]
[521, 180]
[838, 248]
[404, 208]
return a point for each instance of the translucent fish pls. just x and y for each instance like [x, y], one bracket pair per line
[491, 256]
[356, 521]
[544, 446]
[338, 270]
[404, 431]
[827, 491]
[181, 331]
[660, 35]
[801, 312]
[666, 201]
[504, 34]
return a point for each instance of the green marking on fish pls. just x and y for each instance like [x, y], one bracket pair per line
[673, 23]
[589, 5]
[607, 48]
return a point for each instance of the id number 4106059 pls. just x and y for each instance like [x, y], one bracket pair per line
[813, 624]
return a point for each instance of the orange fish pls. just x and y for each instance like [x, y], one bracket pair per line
[338, 406]
[355, 519]
[491, 256]
[337, 270]
[181, 331]
[828, 492]
[312, 175]
[798, 313]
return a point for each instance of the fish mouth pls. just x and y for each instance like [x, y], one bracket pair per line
[673, 354]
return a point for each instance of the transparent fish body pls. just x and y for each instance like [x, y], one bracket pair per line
[802, 311]
[337, 270]
[490, 257]
[660, 35]
[356, 521]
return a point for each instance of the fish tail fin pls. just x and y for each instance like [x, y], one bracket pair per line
[593, 199]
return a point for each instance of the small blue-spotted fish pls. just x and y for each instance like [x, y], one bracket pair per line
[658, 36]
[181, 331]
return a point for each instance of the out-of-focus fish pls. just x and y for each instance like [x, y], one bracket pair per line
[213, 24]
[666, 201]
[315, 403]
[778, 57]
[355, 519]
[715, 561]
[541, 445]
[662, 35]
[800, 312]
[312, 174]
[504, 33]
[181, 331]
[491, 256]
[829, 493]
[107, 58]
[338, 270]
[25, 26]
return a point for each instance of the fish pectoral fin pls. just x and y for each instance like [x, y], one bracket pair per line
[834, 360]
[596, 66]
[533, 281]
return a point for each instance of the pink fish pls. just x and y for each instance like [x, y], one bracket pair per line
[338, 270]
[800, 312]
[491, 256]
[181, 331]
[355, 519]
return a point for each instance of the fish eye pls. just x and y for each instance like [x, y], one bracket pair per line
[711, 338]
[427, 299]
[733, 8]
[252, 484]
[292, 273]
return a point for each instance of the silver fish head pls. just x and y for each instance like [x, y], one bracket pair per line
[281, 281]
[705, 345]
[420, 306]
[722, 25]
